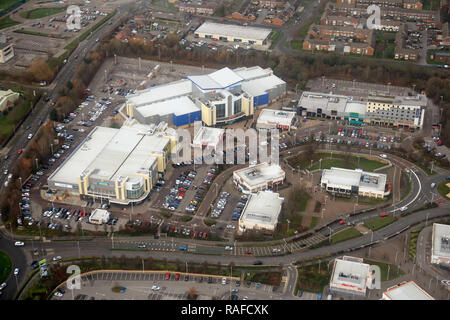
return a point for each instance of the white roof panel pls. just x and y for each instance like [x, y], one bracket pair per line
[230, 30]
[263, 207]
[177, 106]
[219, 79]
[407, 291]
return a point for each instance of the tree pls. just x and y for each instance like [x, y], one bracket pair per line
[40, 70]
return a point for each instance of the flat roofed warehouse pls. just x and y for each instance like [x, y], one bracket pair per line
[440, 244]
[406, 291]
[233, 33]
[259, 177]
[121, 165]
[261, 211]
[354, 182]
[350, 276]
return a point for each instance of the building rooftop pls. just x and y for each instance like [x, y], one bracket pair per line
[207, 136]
[259, 86]
[357, 177]
[260, 173]
[246, 32]
[253, 72]
[178, 106]
[441, 241]
[162, 92]
[220, 79]
[407, 291]
[263, 207]
[325, 101]
[276, 116]
[109, 154]
[350, 274]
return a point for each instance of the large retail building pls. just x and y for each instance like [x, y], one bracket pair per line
[221, 97]
[120, 165]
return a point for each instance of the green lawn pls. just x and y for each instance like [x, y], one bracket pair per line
[379, 223]
[443, 189]
[297, 45]
[346, 234]
[314, 221]
[7, 22]
[338, 160]
[8, 122]
[394, 271]
[5, 266]
[5, 4]
[310, 279]
[41, 12]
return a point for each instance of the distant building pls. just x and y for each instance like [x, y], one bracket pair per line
[350, 276]
[275, 119]
[6, 52]
[7, 98]
[406, 291]
[99, 216]
[354, 182]
[259, 177]
[261, 212]
[233, 33]
[441, 56]
[440, 244]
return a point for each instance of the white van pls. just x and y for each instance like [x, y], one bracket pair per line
[433, 185]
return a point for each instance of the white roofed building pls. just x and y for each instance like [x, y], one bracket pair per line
[221, 97]
[354, 182]
[440, 244]
[259, 177]
[233, 33]
[350, 276]
[208, 137]
[99, 216]
[406, 291]
[271, 119]
[261, 212]
[120, 165]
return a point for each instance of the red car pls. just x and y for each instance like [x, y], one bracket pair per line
[196, 234]
[167, 276]
[177, 276]
[205, 235]
[342, 222]
[19, 151]
[76, 57]
[248, 252]
[384, 214]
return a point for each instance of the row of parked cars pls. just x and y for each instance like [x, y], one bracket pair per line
[25, 204]
[239, 207]
[178, 190]
[362, 134]
[220, 205]
[186, 232]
